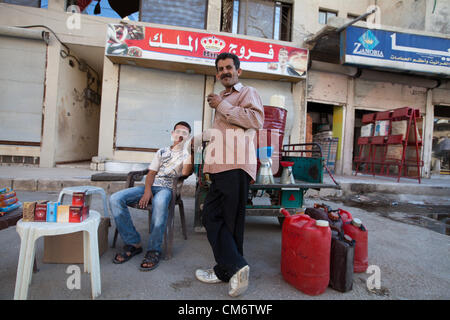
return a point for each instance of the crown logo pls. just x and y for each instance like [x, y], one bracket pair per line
[368, 40]
[213, 44]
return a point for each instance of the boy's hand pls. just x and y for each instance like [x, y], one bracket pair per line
[143, 203]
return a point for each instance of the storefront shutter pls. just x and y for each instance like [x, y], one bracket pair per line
[151, 102]
[22, 74]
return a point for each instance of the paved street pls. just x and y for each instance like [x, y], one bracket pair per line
[413, 261]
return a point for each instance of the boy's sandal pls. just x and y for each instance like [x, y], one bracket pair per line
[151, 260]
[130, 252]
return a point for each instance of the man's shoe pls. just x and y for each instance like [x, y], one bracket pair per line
[207, 276]
[239, 282]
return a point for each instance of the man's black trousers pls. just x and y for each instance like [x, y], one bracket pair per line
[224, 219]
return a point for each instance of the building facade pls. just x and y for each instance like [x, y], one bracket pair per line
[64, 99]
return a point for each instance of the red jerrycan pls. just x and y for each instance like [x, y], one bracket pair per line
[305, 253]
[345, 215]
[358, 232]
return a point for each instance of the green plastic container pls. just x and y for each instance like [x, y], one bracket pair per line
[307, 169]
[291, 198]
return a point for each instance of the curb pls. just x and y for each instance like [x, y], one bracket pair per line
[347, 188]
[52, 185]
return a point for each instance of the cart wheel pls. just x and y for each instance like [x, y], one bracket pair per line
[281, 220]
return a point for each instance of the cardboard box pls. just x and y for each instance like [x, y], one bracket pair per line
[394, 152]
[367, 130]
[68, 248]
[412, 136]
[399, 127]
[381, 128]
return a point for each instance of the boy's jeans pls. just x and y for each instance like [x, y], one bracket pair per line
[119, 202]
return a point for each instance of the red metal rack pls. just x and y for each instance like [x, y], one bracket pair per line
[399, 149]
[365, 148]
[378, 143]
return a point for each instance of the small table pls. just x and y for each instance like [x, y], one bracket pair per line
[30, 231]
[10, 219]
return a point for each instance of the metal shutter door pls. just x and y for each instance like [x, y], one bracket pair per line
[151, 102]
[22, 75]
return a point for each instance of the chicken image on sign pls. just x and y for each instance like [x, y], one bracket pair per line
[195, 52]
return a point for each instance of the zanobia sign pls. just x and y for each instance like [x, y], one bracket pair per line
[184, 46]
[388, 49]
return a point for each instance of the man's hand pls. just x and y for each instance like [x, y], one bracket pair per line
[145, 199]
[214, 100]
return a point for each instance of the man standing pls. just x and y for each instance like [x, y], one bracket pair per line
[238, 114]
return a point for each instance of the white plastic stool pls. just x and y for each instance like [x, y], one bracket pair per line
[30, 231]
[88, 190]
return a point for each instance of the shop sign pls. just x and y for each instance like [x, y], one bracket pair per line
[198, 48]
[396, 50]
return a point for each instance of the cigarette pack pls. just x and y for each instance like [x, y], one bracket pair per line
[28, 211]
[63, 214]
[81, 199]
[52, 211]
[75, 213]
[84, 213]
[40, 212]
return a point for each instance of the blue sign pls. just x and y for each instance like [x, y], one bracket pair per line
[389, 49]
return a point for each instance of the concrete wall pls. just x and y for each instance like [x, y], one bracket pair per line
[306, 14]
[384, 95]
[408, 14]
[438, 20]
[423, 15]
[78, 118]
[61, 81]
[326, 87]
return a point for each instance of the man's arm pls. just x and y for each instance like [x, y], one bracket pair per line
[188, 164]
[249, 114]
[148, 189]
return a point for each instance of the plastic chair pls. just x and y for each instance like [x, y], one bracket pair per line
[30, 231]
[176, 200]
[88, 190]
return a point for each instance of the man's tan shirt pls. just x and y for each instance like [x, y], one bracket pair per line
[233, 134]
